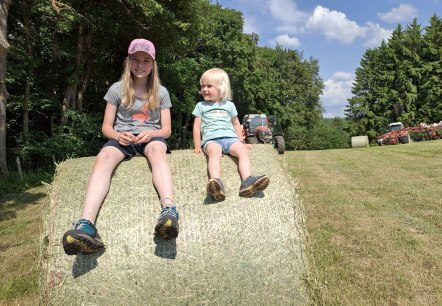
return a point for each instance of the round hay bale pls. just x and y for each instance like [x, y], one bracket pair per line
[242, 251]
[359, 142]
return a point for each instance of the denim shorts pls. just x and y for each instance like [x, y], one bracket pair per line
[224, 142]
[132, 149]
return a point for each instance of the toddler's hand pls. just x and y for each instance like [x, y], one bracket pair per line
[197, 150]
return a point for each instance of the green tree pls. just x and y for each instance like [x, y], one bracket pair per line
[398, 81]
[371, 106]
[288, 86]
[430, 94]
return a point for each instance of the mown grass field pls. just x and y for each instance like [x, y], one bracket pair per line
[373, 215]
[374, 218]
[20, 228]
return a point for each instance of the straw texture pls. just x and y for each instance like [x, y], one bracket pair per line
[242, 251]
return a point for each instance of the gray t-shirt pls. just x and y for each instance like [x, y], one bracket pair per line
[216, 119]
[139, 117]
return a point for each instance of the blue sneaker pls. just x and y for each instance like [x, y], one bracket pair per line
[83, 238]
[253, 184]
[167, 225]
[215, 189]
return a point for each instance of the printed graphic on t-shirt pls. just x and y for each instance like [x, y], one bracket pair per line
[218, 114]
[142, 115]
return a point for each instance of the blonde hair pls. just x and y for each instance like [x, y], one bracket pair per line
[152, 88]
[220, 79]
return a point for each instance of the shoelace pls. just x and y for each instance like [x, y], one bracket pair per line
[83, 226]
[76, 224]
[169, 211]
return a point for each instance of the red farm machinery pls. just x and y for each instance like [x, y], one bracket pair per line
[398, 134]
[261, 128]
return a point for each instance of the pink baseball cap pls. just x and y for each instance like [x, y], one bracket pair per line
[141, 44]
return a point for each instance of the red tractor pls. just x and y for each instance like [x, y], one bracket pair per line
[260, 128]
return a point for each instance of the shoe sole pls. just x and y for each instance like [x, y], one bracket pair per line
[166, 228]
[215, 190]
[74, 243]
[260, 184]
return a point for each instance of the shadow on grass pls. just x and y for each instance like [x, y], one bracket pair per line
[10, 204]
[17, 194]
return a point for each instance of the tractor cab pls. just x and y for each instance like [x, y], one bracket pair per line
[251, 122]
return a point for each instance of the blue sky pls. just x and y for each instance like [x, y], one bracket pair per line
[337, 33]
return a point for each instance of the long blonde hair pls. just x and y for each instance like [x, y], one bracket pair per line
[152, 87]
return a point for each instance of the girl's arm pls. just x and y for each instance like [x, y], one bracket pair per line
[197, 135]
[238, 127]
[239, 131]
[108, 130]
[164, 132]
[108, 122]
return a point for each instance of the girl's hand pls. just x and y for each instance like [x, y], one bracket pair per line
[126, 138]
[143, 137]
[197, 150]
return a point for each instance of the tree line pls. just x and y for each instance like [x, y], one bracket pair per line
[63, 55]
[401, 80]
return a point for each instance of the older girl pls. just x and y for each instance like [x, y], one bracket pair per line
[136, 120]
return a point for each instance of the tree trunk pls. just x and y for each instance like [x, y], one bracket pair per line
[176, 129]
[4, 46]
[71, 92]
[30, 72]
[87, 39]
[183, 132]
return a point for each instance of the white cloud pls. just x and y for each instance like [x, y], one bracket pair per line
[336, 92]
[334, 25]
[376, 34]
[286, 41]
[403, 12]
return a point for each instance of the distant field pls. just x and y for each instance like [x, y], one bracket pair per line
[374, 218]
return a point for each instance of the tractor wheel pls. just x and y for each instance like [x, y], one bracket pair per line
[279, 144]
[251, 140]
[404, 139]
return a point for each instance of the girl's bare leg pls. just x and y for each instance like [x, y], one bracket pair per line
[167, 224]
[99, 181]
[161, 173]
[214, 154]
[239, 150]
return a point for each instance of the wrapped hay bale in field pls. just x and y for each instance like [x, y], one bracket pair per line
[360, 142]
[241, 251]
